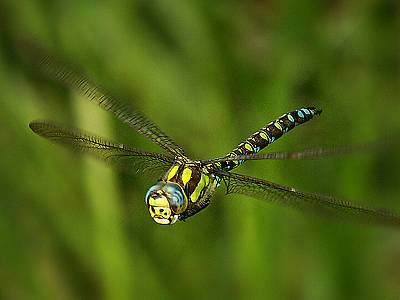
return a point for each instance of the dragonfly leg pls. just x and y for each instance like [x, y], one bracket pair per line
[194, 210]
[201, 204]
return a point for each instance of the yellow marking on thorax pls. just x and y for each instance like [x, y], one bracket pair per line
[186, 175]
[207, 180]
[204, 181]
[172, 172]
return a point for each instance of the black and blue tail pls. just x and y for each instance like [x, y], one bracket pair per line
[268, 134]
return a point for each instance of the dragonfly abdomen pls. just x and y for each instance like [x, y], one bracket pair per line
[269, 133]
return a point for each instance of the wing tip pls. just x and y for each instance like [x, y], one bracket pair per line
[34, 125]
[40, 126]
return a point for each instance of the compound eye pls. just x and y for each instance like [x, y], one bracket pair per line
[176, 197]
[151, 190]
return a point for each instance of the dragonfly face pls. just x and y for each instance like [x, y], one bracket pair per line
[165, 201]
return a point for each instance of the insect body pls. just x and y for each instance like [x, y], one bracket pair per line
[187, 186]
[183, 186]
[185, 189]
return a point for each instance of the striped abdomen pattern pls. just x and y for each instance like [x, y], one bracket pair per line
[269, 133]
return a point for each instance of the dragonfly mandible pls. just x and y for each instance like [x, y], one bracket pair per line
[184, 186]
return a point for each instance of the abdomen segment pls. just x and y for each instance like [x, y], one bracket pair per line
[269, 133]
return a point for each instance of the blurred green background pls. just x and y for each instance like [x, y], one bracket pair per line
[209, 73]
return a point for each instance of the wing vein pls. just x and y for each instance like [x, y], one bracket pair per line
[127, 159]
[310, 202]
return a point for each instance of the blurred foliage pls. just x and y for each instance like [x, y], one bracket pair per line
[209, 73]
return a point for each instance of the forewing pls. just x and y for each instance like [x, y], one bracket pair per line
[128, 160]
[58, 70]
[323, 205]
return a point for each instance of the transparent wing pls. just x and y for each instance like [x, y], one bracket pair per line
[126, 159]
[59, 71]
[313, 153]
[323, 205]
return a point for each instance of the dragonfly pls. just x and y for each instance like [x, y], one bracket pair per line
[184, 187]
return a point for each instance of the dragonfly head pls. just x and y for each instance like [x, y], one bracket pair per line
[165, 201]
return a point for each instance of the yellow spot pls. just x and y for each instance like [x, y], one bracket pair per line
[186, 175]
[263, 135]
[248, 147]
[162, 201]
[172, 172]
[277, 125]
